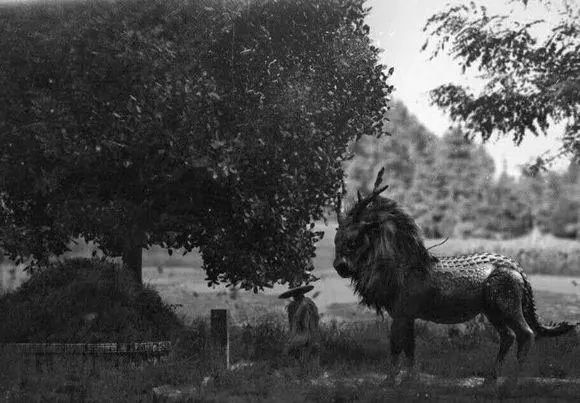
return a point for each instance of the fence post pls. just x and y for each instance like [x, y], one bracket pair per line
[220, 337]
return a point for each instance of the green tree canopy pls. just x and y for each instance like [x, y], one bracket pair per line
[531, 81]
[186, 124]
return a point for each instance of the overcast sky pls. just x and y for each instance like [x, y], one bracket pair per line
[396, 26]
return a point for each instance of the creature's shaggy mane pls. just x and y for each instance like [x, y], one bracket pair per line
[396, 249]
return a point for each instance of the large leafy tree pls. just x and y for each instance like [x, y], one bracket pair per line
[186, 124]
[531, 80]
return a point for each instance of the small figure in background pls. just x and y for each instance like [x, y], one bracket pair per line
[303, 318]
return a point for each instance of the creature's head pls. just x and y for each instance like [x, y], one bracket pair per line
[377, 236]
[352, 242]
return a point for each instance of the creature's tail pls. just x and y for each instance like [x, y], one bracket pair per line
[529, 307]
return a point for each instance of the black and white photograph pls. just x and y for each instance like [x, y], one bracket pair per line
[289, 200]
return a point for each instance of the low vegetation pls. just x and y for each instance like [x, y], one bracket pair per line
[351, 352]
[83, 300]
[356, 352]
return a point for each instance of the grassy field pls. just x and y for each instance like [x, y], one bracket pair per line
[355, 356]
[538, 254]
[353, 362]
[355, 348]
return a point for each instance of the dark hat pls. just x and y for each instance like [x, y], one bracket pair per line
[296, 291]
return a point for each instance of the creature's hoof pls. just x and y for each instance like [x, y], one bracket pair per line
[392, 379]
[399, 378]
[405, 377]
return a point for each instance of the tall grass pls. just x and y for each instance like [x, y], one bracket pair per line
[350, 352]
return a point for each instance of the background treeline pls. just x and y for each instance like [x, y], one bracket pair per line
[450, 186]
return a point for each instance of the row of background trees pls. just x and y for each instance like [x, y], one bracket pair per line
[450, 184]
[531, 80]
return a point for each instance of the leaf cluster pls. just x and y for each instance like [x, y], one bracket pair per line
[531, 80]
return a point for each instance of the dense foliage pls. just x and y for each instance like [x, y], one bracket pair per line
[531, 80]
[83, 300]
[183, 123]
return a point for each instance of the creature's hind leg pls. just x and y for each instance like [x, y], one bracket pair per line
[525, 337]
[504, 295]
[506, 339]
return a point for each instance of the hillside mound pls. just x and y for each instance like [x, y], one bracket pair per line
[84, 301]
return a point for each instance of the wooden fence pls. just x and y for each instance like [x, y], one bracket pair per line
[137, 351]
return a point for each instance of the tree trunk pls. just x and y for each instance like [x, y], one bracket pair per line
[133, 260]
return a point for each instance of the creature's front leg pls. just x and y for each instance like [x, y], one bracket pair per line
[409, 345]
[402, 339]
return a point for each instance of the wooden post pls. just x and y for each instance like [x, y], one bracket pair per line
[220, 337]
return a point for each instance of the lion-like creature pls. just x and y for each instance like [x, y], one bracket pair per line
[378, 246]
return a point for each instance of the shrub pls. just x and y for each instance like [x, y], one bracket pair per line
[84, 300]
[192, 341]
[356, 342]
[263, 340]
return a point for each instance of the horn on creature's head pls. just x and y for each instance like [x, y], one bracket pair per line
[377, 190]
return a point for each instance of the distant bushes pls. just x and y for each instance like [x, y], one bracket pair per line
[544, 255]
[84, 300]
[539, 260]
[546, 261]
